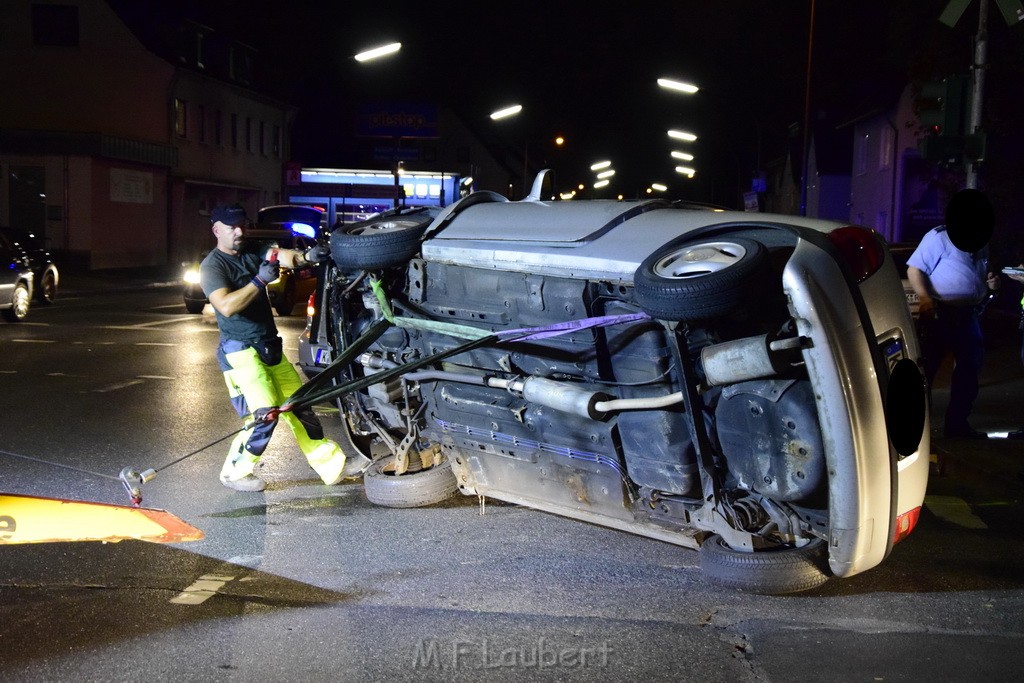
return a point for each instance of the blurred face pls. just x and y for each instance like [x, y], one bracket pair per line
[229, 237]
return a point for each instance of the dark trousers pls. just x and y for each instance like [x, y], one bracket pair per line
[954, 330]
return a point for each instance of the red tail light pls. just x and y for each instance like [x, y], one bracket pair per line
[861, 250]
[311, 306]
[905, 523]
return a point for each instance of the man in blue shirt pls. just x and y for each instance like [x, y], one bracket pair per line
[949, 272]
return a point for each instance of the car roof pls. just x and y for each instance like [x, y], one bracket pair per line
[591, 238]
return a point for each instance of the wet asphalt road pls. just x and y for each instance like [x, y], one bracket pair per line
[306, 582]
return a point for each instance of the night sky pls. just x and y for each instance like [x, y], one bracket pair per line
[589, 73]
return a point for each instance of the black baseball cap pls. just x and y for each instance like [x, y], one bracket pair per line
[228, 214]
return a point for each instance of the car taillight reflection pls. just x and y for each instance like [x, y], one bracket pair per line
[861, 250]
[311, 306]
[905, 523]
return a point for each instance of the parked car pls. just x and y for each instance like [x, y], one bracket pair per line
[285, 226]
[35, 255]
[15, 281]
[743, 384]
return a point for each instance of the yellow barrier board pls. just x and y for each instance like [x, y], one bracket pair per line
[28, 519]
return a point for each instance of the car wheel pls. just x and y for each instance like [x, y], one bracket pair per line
[413, 489]
[195, 306]
[47, 291]
[768, 572]
[19, 304]
[699, 281]
[379, 242]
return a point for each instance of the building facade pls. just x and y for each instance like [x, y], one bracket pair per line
[114, 152]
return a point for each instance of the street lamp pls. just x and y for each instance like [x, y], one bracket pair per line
[376, 52]
[678, 86]
[682, 135]
[506, 112]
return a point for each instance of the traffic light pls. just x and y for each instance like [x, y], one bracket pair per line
[944, 107]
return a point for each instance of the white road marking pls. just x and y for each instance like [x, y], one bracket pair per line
[955, 510]
[204, 588]
[154, 344]
[155, 323]
[120, 385]
[35, 341]
[155, 377]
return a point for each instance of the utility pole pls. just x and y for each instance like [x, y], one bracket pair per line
[1013, 13]
[977, 86]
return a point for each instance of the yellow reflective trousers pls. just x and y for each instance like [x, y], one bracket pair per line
[266, 386]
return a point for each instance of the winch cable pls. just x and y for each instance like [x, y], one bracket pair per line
[132, 478]
[60, 465]
[308, 394]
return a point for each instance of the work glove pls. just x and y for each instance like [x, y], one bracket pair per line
[317, 253]
[268, 272]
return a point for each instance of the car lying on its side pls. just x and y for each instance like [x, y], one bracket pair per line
[285, 226]
[745, 385]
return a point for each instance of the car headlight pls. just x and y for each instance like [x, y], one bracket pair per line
[191, 276]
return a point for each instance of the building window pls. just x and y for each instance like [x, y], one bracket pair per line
[55, 25]
[217, 127]
[234, 131]
[276, 142]
[192, 44]
[860, 155]
[886, 147]
[248, 134]
[263, 138]
[201, 123]
[180, 118]
[240, 63]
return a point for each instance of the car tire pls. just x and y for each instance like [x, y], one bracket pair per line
[195, 306]
[46, 292]
[767, 572]
[410, 490]
[18, 310]
[699, 280]
[379, 242]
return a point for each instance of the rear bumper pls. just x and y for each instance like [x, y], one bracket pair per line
[869, 484]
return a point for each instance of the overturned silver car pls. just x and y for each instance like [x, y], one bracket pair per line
[742, 384]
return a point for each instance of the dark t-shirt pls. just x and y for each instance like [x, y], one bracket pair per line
[219, 271]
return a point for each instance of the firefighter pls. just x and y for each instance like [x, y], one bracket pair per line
[234, 276]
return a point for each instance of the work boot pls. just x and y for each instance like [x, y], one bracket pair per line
[355, 466]
[247, 483]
